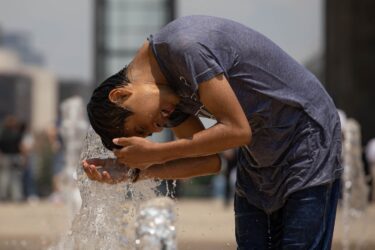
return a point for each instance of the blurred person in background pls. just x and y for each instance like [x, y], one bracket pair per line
[11, 160]
[28, 160]
[47, 146]
[57, 147]
[288, 167]
[229, 171]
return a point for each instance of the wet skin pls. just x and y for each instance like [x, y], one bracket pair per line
[150, 103]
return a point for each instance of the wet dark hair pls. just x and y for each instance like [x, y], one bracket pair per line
[107, 118]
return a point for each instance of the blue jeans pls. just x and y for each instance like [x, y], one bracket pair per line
[306, 221]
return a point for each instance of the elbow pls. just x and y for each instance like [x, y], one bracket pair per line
[247, 135]
[244, 135]
[215, 164]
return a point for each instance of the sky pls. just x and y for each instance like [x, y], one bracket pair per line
[62, 30]
[295, 25]
[59, 29]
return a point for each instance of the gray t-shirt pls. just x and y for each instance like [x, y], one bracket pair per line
[296, 140]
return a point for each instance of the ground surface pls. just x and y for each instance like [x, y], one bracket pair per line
[202, 225]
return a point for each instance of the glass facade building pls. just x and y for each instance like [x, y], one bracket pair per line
[121, 26]
[15, 96]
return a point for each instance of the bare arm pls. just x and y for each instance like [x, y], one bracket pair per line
[183, 168]
[186, 167]
[232, 129]
[176, 169]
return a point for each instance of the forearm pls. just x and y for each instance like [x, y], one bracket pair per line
[232, 130]
[183, 168]
[206, 142]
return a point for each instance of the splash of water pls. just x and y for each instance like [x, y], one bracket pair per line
[107, 216]
[155, 226]
[73, 129]
[355, 190]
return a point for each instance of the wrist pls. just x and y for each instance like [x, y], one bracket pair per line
[164, 152]
[150, 173]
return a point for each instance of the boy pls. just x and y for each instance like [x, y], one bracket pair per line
[264, 102]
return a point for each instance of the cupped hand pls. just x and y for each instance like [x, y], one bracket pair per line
[108, 171]
[137, 152]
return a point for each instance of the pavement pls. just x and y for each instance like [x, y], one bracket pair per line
[201, 225]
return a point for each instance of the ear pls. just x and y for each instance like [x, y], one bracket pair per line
[119, 95]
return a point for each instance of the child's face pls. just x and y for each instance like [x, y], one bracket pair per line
[151, 105]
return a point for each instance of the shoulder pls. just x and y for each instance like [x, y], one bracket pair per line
[192, 29]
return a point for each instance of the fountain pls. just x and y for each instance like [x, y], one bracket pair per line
[355, 190]
[73, 129]
[107, 217]
[155, 225]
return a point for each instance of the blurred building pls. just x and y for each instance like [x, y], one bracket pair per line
[29, 92]
[20, 42]
[350, 59]
[72, 87]
[15, 95]
[121, 26]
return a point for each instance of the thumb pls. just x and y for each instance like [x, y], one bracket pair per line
[122, 141]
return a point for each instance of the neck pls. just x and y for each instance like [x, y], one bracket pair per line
[145, 68]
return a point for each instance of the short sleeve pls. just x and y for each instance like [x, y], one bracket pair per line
[195, 62]
[185, 63]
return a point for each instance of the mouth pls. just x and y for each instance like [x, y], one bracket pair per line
[167, 111]
[161, 121]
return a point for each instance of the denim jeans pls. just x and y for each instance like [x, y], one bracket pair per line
[306, 221]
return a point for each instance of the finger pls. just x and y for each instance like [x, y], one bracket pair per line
[106, 177]
[96, 175]
[90, 173]
[123, 141]
[84, 164]
[87, 170]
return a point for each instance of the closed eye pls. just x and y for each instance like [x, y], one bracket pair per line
[142, 132]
